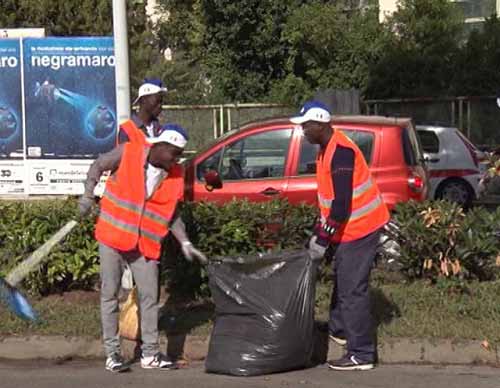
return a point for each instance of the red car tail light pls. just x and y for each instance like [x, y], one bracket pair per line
[416, 183]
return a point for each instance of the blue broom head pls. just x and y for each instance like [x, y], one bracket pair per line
[16, 302]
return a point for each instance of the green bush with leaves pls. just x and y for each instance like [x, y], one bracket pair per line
[438, 239]
[26, 225]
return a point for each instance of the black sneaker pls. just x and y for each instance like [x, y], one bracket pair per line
[115, 363]
[350, 363]
[158, 361]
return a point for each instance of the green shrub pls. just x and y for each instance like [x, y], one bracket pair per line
[26, 225]
[439, 240]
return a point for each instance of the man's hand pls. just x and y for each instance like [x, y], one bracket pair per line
[85, 205]
[191, 252]
[316, 249]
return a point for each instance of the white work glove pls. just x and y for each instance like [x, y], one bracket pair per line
[85, 205]
[191, 252]
[315, 250]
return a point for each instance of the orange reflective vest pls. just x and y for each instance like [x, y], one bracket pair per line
[128, 220]
[368, 211]
[135, 135]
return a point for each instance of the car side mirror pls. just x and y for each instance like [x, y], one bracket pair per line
[212, 180]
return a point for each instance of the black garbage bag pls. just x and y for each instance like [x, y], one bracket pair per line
[264, 313]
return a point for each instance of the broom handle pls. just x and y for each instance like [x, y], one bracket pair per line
[36, 258]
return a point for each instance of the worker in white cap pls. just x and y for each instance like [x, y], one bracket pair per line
[137, 211]
[145, 122]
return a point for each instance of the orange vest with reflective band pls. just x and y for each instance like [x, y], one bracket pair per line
[128, 220]
[135, 135]
[368, 211]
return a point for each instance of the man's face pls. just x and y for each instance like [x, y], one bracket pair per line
[152, 104]
[164, 155]
[313, 131]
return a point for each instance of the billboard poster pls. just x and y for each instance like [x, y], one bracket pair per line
[11, 129]
[69, 89]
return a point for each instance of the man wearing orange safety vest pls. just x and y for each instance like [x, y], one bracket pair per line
[352, 214]
[137, 212]
[145, 122]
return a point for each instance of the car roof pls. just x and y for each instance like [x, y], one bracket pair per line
[336, 119]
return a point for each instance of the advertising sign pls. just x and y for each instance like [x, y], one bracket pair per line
[54, 177]
[69, 88]
[11, 128]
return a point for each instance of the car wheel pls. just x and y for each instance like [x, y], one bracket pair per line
[456, 190]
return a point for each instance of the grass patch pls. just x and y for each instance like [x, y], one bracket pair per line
[451, 310]
[448, 310]
[58, 316]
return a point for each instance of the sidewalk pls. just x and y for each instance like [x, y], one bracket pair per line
[195, 349]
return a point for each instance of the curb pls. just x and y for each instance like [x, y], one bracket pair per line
[391, 351]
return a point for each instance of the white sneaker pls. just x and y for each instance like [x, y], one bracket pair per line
[158, 361]
[115, 363]
[338, 340]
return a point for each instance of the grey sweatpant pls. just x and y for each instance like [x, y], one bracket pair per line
[146, 278]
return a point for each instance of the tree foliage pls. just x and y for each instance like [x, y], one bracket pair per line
[284, 50]
[87, 18]
[420, 44]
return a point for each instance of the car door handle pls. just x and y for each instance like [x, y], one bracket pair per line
[270, 191]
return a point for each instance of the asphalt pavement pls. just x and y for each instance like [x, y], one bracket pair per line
[91, 374]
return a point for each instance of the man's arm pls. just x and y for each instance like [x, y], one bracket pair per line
[122, 136]
[105, 162]
[342, 168]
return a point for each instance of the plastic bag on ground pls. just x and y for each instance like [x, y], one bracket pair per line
[264, 313]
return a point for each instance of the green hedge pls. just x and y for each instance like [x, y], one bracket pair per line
[238, 227]
[438, 239]
[431, 233]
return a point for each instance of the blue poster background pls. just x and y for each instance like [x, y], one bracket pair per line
[11, 131]
[69, 86]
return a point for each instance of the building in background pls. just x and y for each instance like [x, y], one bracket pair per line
[475, 11]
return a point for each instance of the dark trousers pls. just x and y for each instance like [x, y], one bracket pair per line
[350, 310]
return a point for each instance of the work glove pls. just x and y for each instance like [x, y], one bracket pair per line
[330, 227]
[85, 205]
[191, 252]
[316, 250]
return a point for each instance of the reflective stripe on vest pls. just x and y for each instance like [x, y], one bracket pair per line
[130, 228]
[360, 212]
[357, 192]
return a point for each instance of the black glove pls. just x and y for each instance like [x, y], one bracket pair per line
[330, 227]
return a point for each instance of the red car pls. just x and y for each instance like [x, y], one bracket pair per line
[271, 159]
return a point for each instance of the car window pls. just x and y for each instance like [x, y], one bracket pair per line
[364, 140]
[307, 160]
[429, 141]
[262, 155]
[412, 148]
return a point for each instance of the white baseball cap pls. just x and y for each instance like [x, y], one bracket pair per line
[150, 86]
[312, 111]
[171, 133]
